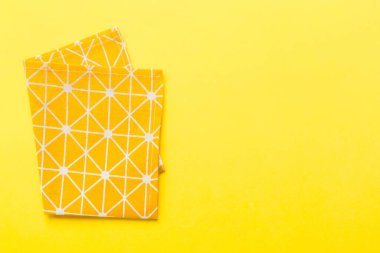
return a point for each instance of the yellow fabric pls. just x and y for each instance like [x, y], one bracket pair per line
[97, 124]
[103, 49]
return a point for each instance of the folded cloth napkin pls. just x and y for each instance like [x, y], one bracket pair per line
[97, 123]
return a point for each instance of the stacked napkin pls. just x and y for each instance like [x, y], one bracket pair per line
[96, 122]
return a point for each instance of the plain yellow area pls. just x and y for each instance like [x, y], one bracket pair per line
[272, 125]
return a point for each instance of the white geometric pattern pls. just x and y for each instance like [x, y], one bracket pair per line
[97, 129]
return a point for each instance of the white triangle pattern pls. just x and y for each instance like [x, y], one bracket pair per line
[74, 144]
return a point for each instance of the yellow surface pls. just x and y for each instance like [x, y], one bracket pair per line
[271, 140]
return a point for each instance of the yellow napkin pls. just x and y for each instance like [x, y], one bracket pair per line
[97, 124]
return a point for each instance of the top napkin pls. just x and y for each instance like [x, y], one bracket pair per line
[103, 49]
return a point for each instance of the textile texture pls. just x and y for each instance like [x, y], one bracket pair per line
[96, 123]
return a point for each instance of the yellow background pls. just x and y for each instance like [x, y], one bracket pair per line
[272, 125]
